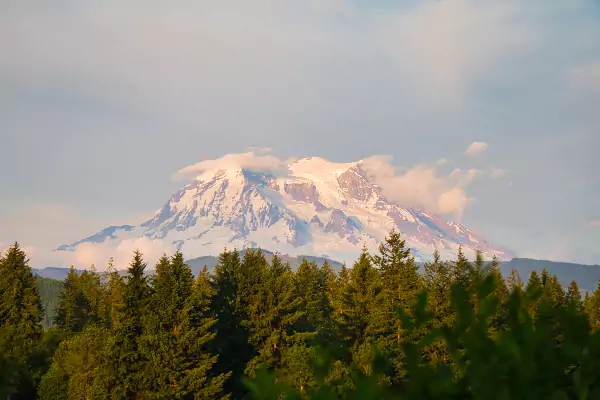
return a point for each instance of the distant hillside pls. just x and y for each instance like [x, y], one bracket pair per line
[197, 264]
[586, 276]
[53, 272]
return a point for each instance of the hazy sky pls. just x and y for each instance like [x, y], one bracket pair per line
[101, 102]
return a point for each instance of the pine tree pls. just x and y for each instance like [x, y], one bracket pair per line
[341, 283]
[311, 289]
[175, 341]
[123, 364]
[593, 307]
[71, 305]
[21, 314]
[112, 300]
[514, 281]
[91, 286]
[501, 293]
[71, 374]
[80, 301]
[534, 289]
[232, 340]
[573, 297]
[280, 345]
[331, 281]
[365, 313]
[437, 281]
[461, 269]
[399, 272]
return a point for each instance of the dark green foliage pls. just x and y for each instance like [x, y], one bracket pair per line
[79, 301]
[21, 330]
[232, 340]
[175, 336]
[399, 273]
[257, 329]
[71, 375]
[122, 366]
[521, 362]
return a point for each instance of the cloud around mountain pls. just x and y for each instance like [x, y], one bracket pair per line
[425, 186]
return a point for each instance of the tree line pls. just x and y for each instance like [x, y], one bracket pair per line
[257, 329]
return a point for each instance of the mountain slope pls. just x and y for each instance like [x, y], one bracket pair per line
[316, 207]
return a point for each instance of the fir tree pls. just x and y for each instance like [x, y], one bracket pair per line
[112, 300]
[501, 293]
[365, 312]
[280, 346]
[175, 344]
[592, 306]
[534, 290]
[79, 301]
[437, 281]
[71, 375]
[123, 364]
[21, 314]
[232, 340]
[514, 281]
[399, 272]
[461, 269]
[573, 297]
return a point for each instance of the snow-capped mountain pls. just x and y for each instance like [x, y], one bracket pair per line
[318, 208]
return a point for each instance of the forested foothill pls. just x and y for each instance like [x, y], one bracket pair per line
[382, 328]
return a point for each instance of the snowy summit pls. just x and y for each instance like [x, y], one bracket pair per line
[309, 206]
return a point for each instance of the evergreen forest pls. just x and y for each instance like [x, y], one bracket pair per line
[256, 329]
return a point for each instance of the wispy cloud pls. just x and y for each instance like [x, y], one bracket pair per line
[476, 148]
[595, 223]
[497, 173]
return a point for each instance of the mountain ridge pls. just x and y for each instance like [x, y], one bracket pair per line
[313, 206]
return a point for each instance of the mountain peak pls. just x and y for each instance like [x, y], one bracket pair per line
[317, 207]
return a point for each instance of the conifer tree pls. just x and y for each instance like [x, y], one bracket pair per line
[93, 292]
[461, 269]
[79, 301]
[175, 344]
[399, 272]
[331, 281]
[437, 281]
[112, 299]
[514, 281]
[21, 314]
[71, 374]
[341, 283]
[70, 312]
[311, 289]
[592, 306]
[573, 297]
[280, 345]
[365, 312]
[534, 288]
[123, 364]
[232, 336]
[501, 293]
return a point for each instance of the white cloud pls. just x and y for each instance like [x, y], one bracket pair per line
[476, 148]
[422, 186]
[98, 254]
[442, 161]
[497, 173]
[256, 160]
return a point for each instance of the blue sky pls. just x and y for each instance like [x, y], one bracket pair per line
[102, 101]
